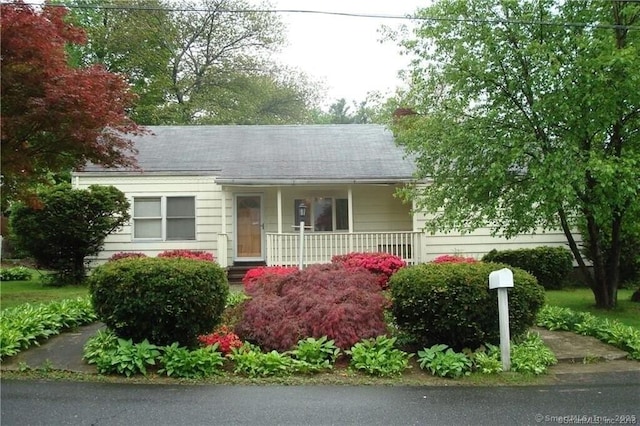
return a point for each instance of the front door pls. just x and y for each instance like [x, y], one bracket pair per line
[249, 227]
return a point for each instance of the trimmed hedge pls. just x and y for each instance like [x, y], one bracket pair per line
[164, 300]
[550, 265]
[450, 303]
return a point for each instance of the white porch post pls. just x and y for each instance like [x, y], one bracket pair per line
[222, 236]
[279, 239]
[418, 249]
[350, 208]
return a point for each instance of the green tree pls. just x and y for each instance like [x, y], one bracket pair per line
[64, 226]
[339, 112]
[129, 37]
[195, 62]
[528, 117]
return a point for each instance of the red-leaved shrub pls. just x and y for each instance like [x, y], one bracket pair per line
[450, 258]
[126, 255]
[344, 304]
[383, 265]
[255, 276]
[189, 254]
[224, 337]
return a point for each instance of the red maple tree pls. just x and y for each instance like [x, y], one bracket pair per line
[56, 117]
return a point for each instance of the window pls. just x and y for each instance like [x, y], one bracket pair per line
[325, 213]
[164, 218]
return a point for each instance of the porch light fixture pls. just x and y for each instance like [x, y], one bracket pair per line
[302, 210]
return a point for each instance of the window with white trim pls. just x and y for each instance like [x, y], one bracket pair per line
[324, 214]
[164, 218]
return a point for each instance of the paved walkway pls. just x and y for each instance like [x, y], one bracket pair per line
[579, 357]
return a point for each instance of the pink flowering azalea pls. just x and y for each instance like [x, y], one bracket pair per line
[381, 264]
[450, 258]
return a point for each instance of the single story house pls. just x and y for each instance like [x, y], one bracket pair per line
[237, 191]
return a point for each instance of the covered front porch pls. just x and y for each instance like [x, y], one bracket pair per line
[339, 219]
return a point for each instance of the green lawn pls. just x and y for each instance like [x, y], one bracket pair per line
[13, 293]
[581, 299]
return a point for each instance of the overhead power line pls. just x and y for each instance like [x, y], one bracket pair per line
[353, 15]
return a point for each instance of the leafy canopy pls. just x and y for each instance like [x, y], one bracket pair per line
[195, 62]
[55, 117]
[527, 117]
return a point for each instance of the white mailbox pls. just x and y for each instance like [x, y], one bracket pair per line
[501, 279]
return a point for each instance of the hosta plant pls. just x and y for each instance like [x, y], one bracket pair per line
[379, 357]
[99, 346]
[316, 354]
[443, 361]
[487, 361]
[178, 361]
[123, 357]
[249, 360]
[609, 331]
[17, 273]
[24, 325]
[531, 356]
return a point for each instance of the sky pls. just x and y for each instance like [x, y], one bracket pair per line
[345, 53]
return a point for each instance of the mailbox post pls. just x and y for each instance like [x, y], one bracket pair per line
[502, 280]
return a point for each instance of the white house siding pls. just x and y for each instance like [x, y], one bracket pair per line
[207, 201]
[479, 242]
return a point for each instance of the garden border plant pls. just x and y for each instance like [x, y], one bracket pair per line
[611, 332]
[27, 324]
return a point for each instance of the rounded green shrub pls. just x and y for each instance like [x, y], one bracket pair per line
[164, 300]
[550, 265]
[451, 304]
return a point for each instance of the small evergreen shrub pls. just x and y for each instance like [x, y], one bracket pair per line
[383, 265]
[451, 258]
[126, 255]
[550, 265]
[162, 300]
[322, 300]
[188, 254]
[451, 303]
[255, 276]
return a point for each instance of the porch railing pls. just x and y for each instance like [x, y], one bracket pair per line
[283, 249]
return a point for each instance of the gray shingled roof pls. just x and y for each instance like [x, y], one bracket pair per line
[274, 154]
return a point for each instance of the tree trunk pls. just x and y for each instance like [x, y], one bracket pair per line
[78, 270]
